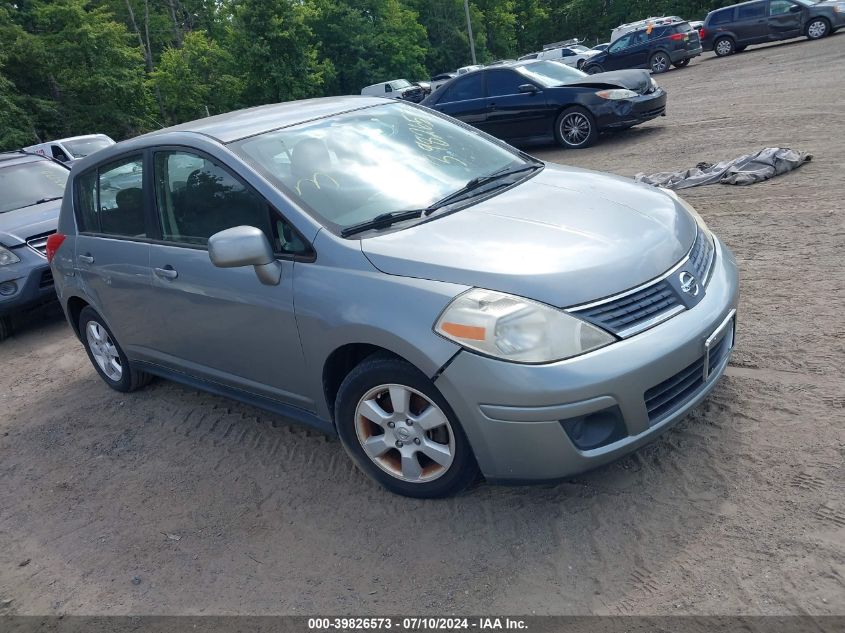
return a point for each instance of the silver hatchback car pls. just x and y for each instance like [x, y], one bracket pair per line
[444, 303]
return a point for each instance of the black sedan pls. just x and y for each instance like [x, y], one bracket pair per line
[535, 100]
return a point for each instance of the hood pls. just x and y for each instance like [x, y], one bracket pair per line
[564, 237]
[637, 80]
[19, 225]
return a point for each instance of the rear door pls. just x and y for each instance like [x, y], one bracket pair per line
[221, 324]
[752, 23]
[785, 19]
[112, 247]
[465, 99]
[512, 114]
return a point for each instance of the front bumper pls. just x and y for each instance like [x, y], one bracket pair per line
[30, 282]
[628, 112]
[515, 416]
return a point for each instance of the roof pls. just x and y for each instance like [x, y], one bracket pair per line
[16, 158]
[242, 123]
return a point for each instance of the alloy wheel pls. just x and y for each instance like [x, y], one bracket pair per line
[405, 433]
[659, 63]
[724, 47]
[575, 128]
[817, 29]
[104, 351]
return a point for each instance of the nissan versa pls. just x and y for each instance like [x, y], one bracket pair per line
[443, 302]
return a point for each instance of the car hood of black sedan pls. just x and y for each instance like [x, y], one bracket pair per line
[564, 237]
[637, 80]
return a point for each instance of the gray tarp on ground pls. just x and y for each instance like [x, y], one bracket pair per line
[745, 170]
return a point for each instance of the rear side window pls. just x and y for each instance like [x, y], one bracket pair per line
[196, 198]
[722, 17]
[470, 87]
[110, 199]
[751, 11]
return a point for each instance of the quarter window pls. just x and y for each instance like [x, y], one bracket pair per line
[196, 198]
[110, 199]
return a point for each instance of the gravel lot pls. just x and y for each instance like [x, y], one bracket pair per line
[171, 501]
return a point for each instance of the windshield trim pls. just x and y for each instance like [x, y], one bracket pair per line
[295, 201]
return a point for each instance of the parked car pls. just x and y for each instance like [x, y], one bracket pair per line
[528, 56]
[601, 47]
[575, 56]
[662, 20]
[541, 101]
[732, 29]
[395, 89]
[70, 149]
[501, 62]
[31, 187]
[425, 86]
[463, 70]
[440, 300]
[653, 47]
[439, 80]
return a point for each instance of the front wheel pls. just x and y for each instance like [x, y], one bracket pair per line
[682, 63]
[575, 128]
[724, 46]
[659, 63]
[106, 355]
[817, 28]
[400, 431]
[593, 69]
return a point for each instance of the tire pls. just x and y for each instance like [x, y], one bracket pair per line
[659, 62]
[106, 355]
[817, 28]
[404, 402]
[575, 128]
[593, 69]
[5, 327]
[724, 46]
[681, 64]
[580, 64]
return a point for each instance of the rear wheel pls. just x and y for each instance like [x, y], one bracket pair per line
[724, 46]
[659, 62]
[817, 28]
[106, 356]
[682, 63]
[575, 128]
[399, 429]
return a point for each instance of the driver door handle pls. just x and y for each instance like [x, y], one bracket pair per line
[87, 258]
[168, 272]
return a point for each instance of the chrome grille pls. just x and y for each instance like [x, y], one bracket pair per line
[38, 243]
[644, 307]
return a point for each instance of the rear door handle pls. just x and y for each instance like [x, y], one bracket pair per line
[87, 258]
[167, 272]
[493, 106]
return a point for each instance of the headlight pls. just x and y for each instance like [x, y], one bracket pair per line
[689, 208]
[517, 329]
[7, 257]
[654, 83]
[839, 8]
[616, 94]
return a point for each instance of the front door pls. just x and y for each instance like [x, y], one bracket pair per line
[112, 250]
[512, 114]
[752, 25]
[784, 19]
[464, 99]
[629, 51]
[222, 324]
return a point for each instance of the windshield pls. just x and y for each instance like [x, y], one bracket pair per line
[351, 167]
[808, 3]
[549, 74]
[25, 184]
[82, 147]
[399, 84]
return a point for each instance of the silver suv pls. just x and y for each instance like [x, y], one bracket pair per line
[444, 303]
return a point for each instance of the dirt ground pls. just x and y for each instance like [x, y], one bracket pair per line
[171, 501]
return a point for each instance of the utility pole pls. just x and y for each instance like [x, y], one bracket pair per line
[469, 32]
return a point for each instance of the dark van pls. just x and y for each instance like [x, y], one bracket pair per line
[732, 29]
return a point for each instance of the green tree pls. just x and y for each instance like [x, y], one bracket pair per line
[197, 76]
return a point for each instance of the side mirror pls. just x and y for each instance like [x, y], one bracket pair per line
[528, 88]
[795, 9]
[245, 246]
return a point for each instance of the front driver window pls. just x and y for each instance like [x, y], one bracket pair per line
[622, 42]
[197, 198]
[779, 7]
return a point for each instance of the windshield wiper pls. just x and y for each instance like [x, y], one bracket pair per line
[41, 201]
[381, 221]
[477, 182]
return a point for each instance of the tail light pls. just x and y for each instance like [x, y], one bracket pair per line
[676, 36]
[53, 243]
[701, 33]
